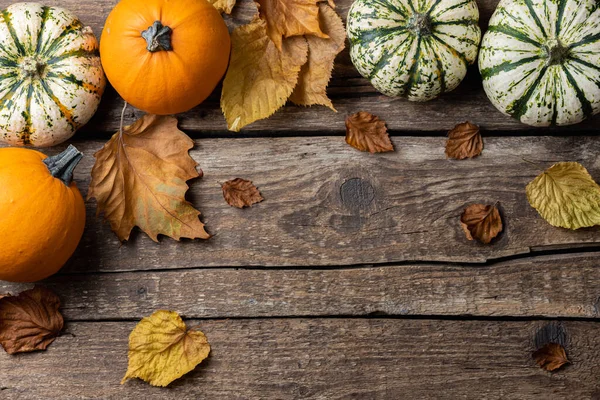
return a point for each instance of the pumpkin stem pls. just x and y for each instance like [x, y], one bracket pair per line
[61, 166]
[158, 37]
[420, 24]
[31, 67]
[556, 52]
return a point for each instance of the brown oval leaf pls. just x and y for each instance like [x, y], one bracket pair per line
[464, 141]
[551, 357]
[482, 222]
[241, 193]
[29, 321]
[139, 179]
[366, 132]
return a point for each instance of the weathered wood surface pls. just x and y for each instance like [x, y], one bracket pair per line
[350, 93]
[549, 286]
[320, 359]
[328, 204]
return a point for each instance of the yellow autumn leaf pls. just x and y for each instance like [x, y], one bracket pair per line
[223, 5]
[162, 349]
[566, 196]
[139, 179]
[288, 18]
[260, 78]
[316, 73]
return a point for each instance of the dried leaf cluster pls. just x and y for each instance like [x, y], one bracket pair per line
[285, 53]
[551, 357]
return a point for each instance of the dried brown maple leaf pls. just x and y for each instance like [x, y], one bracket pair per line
[551, 357]
[366, 132]
[482, 222]
[223, 5]
[287, 18]
[139, 179]
[241, 193]
[464, 141]
[29, 321]
[316, 73]
[260, 78]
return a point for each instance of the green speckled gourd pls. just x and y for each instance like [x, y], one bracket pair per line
[540, 60]
[51, 79]
[416, 49]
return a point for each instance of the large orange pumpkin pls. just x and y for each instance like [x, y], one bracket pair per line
[43, 213]
[164, 56]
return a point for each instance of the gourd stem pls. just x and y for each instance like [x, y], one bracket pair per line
[62, 165]
[158, 37]
[420, 24]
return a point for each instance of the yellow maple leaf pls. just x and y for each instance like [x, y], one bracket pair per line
[287, 18]
[139, 179]
[223, 5]
[260, 78]
[566, 196]
[316, 73]
[162, 349]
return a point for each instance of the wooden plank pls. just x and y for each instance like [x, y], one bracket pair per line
[320, 359]
[350, 93]
[328, 204]
[550, 286]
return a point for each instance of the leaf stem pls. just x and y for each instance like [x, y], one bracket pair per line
[122, 118]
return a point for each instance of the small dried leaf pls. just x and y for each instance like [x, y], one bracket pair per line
[482, 222]
[551, 357]
[260, 78]
[366, 132]
[29, 321]
[162, 349]
[287, 18]
[566, 196]
[139, 179]
[316, 73]
[223, 5]
[464, 141]
[241, 193]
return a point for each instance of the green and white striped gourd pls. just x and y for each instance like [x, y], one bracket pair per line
[414, 48]
[51, 79]
[540, 60]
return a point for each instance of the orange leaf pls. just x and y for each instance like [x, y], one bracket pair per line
[139, 179]
[30, 321]
[482, 222]
[551, 357]
[286, 18]
[366, 132]
[464, 141]
[316, 73]
[241, 193]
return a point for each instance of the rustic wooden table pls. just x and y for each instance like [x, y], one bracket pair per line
[353, 279]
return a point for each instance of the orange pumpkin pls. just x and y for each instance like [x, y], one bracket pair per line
[43, 213]
[164, 56]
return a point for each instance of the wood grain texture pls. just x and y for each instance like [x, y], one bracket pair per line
[350, 93]
[328, 204]
[319, 359]
[549, 286]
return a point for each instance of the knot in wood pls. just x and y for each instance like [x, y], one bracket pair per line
[357, 194]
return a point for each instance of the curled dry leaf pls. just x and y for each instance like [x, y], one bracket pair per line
[366, 132]
[551, 357]
[162, 349]
[566, 196]
[481, 222]
[287, 18]
[464, 141]
[241, 193]
[316, 73]
[139, 179]
[29, 321]
[223, 5]
[260, 78]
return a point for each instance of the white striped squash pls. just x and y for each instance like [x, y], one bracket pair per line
[540, 60]
[416, 49]
[51, 79]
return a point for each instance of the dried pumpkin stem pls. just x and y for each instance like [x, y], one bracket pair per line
[158, 37]
[62, 165]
